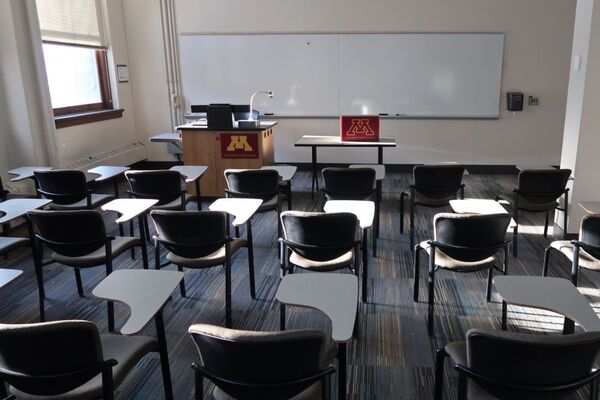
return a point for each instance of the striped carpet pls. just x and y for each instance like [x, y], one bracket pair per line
[393, 356]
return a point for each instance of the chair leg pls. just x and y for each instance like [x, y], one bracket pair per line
[488, 295]
[462, 387]
[417, 266]
[198, 386]
[594, 389]
[546, 224]
[282, 316]
[440, 356]
[228, 295]
[566, 214]
[131, 234]
[516, 229]
[431, 285]
[504, 314]
[251, 260]
[181, 283]
[412, 223]
[37, 254]
[546, 261]
[78, 282]
[110, 306]
[146, 228]
[402, 195]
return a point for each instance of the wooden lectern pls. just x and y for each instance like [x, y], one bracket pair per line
[220, 149]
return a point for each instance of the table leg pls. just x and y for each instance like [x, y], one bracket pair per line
[164, 355]
[380, 155]
[143, 238]
[315, 178]
[504, 312]
[342, 370]
[568, 326]
[365, 265]
[198, 202]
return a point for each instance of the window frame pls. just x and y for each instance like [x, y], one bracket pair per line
[104, 81]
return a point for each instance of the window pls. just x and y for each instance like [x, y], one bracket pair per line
[76, 62]
[78, 78]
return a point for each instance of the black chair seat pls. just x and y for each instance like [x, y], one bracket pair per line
[97, 201]
[312, 393]
[119, 245]
[345, 260]
[446, 262]
[268, 205]
[423, 200]
[527, 205]
[211, 260]
[127, 350]
[8, 244]
[175, 204]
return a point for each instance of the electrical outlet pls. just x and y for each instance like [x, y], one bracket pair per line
[533, 101]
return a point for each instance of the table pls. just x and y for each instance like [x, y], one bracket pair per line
[26, 172]
[8, 275]
[171, 139]
[553, 294]
[379, 177]
[12, 209]
[222, 149]
[365, 212]
[590, 207]
[286, 173]
[128, 209]
[480, 206]
[108, 173]
[242, 210]
[314, 142]
[336, 295]
[145, 292]
[192, 173]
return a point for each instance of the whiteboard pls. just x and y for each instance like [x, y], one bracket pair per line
[407, 75]
[301, 70]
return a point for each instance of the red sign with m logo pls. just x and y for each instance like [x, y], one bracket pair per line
[243, 145]
[359, 128]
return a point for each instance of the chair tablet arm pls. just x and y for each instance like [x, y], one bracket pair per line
[571, 385]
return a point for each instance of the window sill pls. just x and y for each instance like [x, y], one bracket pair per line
[63, 121]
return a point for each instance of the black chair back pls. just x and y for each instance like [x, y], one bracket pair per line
[319, 236]
[253, 183]
[438, 181]
[191, 234]
[50, 358]
[531, 360]
[62, 186]
[70, 233]
[348, 183]
[590, 235]
[243, 363]
[470, 237]
[163, 185]
[543, 185]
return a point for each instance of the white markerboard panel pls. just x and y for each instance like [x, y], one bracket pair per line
[301, 70]
[421, 75]
[413, 75]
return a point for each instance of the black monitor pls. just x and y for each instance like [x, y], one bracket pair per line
[240, 111]
[219, 116]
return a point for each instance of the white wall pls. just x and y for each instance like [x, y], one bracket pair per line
[78, 142]
[148, 73]
[536, 61]
[582, 135]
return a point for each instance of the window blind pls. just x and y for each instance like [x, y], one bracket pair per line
[77, 22]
